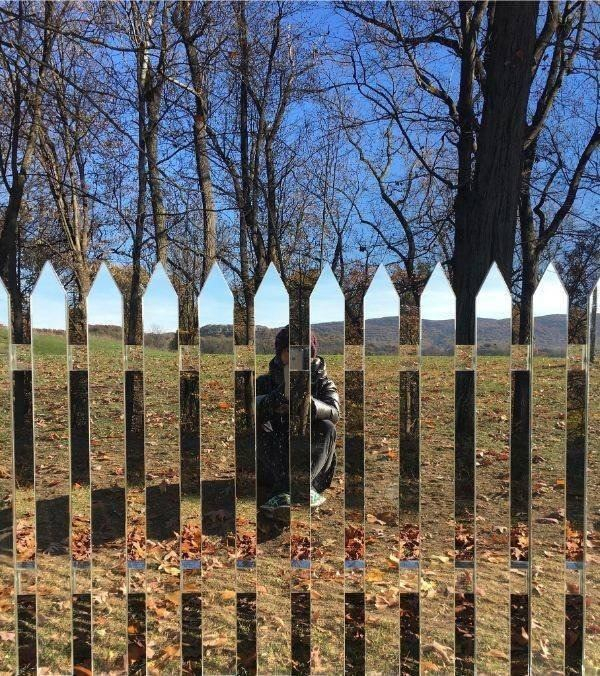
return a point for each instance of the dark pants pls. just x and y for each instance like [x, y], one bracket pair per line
[273, 473]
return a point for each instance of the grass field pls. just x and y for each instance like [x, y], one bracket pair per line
[388, 537]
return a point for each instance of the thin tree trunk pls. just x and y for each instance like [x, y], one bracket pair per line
[153, 85]
[203, 169]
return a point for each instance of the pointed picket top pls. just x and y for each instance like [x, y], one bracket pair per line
[550, 297]
[4, 305]
[493, 299]
[594, 319]
[381, 298]
[326, 298]
[215, 302]
[4, 317]
[104, 300]
[271, 302]
[438, 300]
[49, 301]
[550, 315]
[160, 304]
[594, 298]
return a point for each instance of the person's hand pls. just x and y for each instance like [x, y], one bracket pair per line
[278, 401]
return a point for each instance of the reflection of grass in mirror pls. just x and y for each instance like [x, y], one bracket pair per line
[327, 522]
[49, 343]
[3, 338]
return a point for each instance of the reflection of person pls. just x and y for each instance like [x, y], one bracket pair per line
[272, 402]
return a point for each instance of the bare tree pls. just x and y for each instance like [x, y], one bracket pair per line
[25, 62]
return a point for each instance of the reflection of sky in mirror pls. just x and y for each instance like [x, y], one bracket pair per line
[381, 299]
[160, 304]
[4, 319]
[437, 299]
[550, 297]
[493, 299]
[271, 304]
[48, 302]
[215, 304]
[326, 299]
[104, 302]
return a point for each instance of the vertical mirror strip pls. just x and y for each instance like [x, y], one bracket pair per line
[106, 389]
[8, 590]
[354, 459]
[409, 481]
[437, 525]
[327, 521]
[52, 473]
[245, 509]
[302, 425]
[136, 505]
[161, 399]
[591, 646]
[273, 571]
[548, 469]
[492, 475]
[382, 475]
[80, 482]
[24, 505]
[217, 401]
[189, 442]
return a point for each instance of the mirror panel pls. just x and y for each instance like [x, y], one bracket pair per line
[273, 571]
[300, 281]
[591, 647]
[217, 400]
[548, 470]
[107, 472]
[492, 474]
[327, 521]
[382, 474]
[189, 441]
[8, 652]
[160, 312]
[437, 535]
[52, 472]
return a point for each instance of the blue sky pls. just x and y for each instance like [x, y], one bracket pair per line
[326, 299]
[438, 301]
[104, 302]
[4, 318]
[160, 306]
[494, 300]
[550, 297]
[271, 303]
[215, 305]
[48, 301]
[381, 299]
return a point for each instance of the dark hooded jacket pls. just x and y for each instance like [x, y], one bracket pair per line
[270, 398]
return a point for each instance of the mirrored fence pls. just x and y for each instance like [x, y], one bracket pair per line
[321, 500]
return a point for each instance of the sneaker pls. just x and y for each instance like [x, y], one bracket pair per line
[278, 502]
[316, 499]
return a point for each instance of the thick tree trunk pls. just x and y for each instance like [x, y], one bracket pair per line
[486, 210]
[529, 254]
[9, 258]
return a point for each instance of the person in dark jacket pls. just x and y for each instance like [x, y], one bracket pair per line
[272, 401]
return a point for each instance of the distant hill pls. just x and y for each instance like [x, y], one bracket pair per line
[381, 336]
